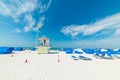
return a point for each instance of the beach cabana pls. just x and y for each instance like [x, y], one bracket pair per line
[89, 51]
[6, 50]
[33, 49]
[74, 57]
[104, 53]
[117, 53]
[110, 52]
[99, 53]
[69, 50]
[18, 49]
[78, 51]
[84, 58]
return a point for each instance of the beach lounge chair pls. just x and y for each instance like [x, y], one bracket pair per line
[117, 54]
[98, 53]
[84, 58]
[77, 52]
[89, 51]
[101, 54]
[109, 54]
[74, 57]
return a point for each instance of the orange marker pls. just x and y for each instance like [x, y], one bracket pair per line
[12, 55]
[26, 61]
[58, 60]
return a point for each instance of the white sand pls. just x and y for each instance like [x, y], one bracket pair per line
[46, 67]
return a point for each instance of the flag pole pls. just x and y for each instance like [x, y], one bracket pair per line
[38, 26]
[37, 37]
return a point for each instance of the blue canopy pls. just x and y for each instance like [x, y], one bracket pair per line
[98, 51]
[110, 52]
[117, 52]
[33, 49]
[77, 52]
[18, 49]
[6, 50]
[69, 50]
[89, 51]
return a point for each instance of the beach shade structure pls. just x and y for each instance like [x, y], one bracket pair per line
[78, 51]
[117, 51]
[110, 52]
[69, 50]
[60, 49]
[84, 58]
[33, 49]
[18, 49]
[6, 50]
[99, 53]
[74, 57]
[88, 51]
[104, 54]
[103, 51]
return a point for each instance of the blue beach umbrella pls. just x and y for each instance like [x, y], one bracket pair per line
[98, 51]
[78, 51]
[6, 50]
[18, 49]
[110, 52]
[117, 51]
[89, 51]
[69, 50]
[33, 49]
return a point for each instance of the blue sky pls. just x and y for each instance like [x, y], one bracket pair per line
[68, 23]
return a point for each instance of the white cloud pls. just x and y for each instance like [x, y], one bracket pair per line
[30, 23]
[4, 10]
[117, 32]
[24, 8]
[17, 30]
[41, 21]
[44, 7]
[16, 8]
[49, 3]
[109, 23]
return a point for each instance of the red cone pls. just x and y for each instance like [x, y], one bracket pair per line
[26, 61]
[58, 60]
[12, 55]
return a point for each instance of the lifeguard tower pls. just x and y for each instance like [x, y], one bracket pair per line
[44, 46]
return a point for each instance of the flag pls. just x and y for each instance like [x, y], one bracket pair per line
[39, 26]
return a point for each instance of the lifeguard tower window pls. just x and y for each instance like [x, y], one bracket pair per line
[44, 42]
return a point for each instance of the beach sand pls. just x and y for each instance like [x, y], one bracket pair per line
[28, 65]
